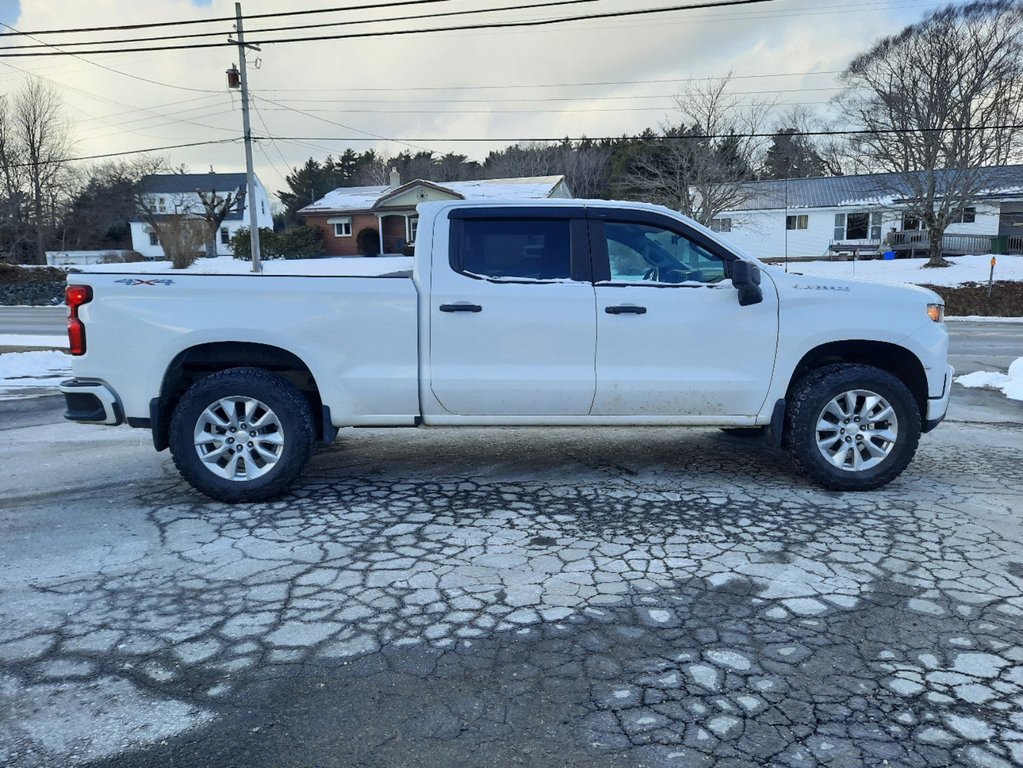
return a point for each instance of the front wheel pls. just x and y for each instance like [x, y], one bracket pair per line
[240, 435]
[852, 427]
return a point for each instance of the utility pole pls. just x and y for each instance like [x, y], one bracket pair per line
[250, 194]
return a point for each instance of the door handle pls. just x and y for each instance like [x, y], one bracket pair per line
[461, 308]
[625, 309]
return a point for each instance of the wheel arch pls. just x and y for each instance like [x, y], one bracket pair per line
[202, 360]
[896, 360]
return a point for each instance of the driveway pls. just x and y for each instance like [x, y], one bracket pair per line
[613, 597]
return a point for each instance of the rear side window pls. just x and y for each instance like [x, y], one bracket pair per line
[513, 249]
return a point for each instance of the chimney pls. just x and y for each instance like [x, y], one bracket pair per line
[395, 178]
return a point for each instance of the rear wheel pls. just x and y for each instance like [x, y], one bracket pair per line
[243, 434]
[852, 427]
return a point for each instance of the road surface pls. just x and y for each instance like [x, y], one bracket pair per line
[598, 598]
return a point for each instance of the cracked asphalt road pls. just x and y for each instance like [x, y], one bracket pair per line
[619, 597]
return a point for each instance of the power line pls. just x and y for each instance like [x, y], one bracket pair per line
[127, 152]
[544, 99]
[403, 32]
[333, 122]
[650, 139]
[345, 23]
[183, 22]
[552, 85]
[59, 51]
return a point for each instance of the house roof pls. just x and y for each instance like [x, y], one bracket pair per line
[868, 189]
[182, 183]
[347, 199]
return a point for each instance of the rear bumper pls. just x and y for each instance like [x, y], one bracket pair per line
[91, 402]
[938, 406]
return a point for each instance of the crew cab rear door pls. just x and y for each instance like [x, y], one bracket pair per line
[672, 339]
[512, 312]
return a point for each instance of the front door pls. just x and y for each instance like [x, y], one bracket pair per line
[672, 339]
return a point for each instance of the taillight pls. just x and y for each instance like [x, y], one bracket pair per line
[77, 295]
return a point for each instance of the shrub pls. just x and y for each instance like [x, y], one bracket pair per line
[295, 243]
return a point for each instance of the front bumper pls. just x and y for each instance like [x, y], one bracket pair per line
[92, 402]
[938, 406]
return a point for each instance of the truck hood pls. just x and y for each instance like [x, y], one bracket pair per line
[794, 284]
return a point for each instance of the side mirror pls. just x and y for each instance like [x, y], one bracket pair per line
[746, 278]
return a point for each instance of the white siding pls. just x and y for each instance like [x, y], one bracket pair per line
[192, 204]
[763, 233]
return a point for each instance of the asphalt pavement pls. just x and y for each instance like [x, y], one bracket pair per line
[603, 597]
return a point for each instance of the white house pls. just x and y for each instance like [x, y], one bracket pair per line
[814, 217]
[172, 193]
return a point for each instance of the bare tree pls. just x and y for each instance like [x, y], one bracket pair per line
[13, 236]
[44, 137]
[940, 100]
[216, 208]
[700, 165]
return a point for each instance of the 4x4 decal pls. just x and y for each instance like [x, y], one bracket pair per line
[137, 281]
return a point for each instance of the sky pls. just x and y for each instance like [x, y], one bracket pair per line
[426, 91]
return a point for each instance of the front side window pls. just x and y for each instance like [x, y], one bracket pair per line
[641, 253]
[513, 249]
[797, 222]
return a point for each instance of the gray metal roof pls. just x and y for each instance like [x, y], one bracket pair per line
[181, 183]
[869, 189]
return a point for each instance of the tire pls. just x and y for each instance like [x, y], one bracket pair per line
[744, 432]
[205, 427]
[828, 443]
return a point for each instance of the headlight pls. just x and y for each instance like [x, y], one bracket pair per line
[936, 312]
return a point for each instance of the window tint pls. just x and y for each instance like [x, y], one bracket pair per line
[642, 253]
[530, 249]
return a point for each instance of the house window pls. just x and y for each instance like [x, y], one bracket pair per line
[968, 216]
[413, 227]
[225, 236]
[857, 226]
[911, 223]
[801, 221]
[161, 204]
[721, 225]
[153, 239]
[343, 227]
[262, 207]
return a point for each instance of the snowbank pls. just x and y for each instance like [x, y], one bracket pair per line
[1011, 383]
[22, 371]
[15, 340]
[964, 269]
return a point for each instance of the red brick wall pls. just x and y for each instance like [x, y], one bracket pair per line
[394, 233]
[342, 246]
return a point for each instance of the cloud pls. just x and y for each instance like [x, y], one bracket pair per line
[418, 86]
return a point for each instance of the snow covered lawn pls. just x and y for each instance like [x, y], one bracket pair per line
[964, 269]
[22, 374]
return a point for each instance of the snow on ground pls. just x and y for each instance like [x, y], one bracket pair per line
[1011, 383]
[17, 340]
[22, 374]
[334, 266]
[964, 269]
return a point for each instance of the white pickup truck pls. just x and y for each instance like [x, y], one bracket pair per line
[566, 312]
